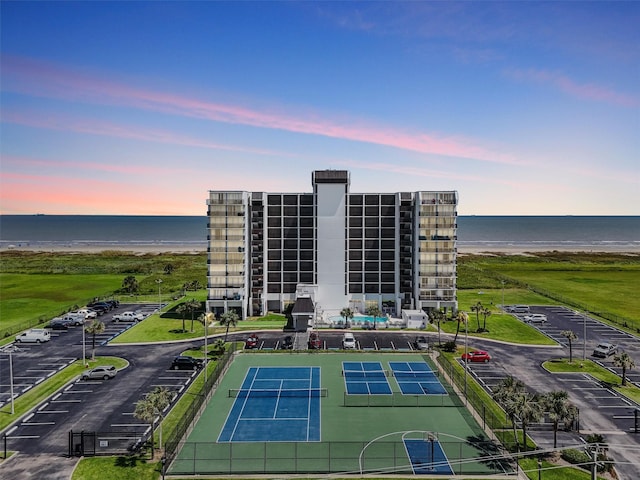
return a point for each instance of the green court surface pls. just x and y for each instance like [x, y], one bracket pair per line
[365, 435]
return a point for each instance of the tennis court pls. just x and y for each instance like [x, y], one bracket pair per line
[416, 378]
[275, 404]
[285, 413]
[367, 378]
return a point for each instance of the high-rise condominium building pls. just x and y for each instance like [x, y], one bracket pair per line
[396, 251]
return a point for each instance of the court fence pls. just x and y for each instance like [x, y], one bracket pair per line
[465, 457]
[200, 398]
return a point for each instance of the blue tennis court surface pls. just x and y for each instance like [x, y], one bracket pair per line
[416, 378]
[275, 404]
[427, 457]
[365, 378]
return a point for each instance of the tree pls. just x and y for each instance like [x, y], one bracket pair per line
[168, 269]
[570, 336]
[477, 308]
[375, 312]
[94, 328]
[182, 311]
[130, 285]
[486, 312]
[437, 316]
[624, 361]
[503, 393]
[529, 408]
[229, 319]
[192, 306]
[151, 407]
[560, 410]
[461, 317]
[347, 314]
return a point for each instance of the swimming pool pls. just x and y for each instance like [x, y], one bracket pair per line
[359, 319]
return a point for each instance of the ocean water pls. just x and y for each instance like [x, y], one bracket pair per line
[494, 232]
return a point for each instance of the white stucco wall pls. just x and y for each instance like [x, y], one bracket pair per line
[331, 246]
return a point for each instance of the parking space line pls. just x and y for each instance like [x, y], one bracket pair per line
[18, 437]
[53, 411]
[66, 401]
[78, 391]
[134, 425]
[36, 424]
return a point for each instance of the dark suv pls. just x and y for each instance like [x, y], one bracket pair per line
[183, 362]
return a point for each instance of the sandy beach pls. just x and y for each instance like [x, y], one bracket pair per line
[191, 249]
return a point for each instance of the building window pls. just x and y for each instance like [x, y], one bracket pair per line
[355, 199]
[355, 211]
[355, 221]
[371, 200]
[274, 211]
[290, 211]
[355, 254]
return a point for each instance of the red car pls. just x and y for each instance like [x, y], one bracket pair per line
[476, 356]
[252, 341]
[314, 341]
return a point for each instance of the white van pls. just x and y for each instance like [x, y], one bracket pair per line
[520, 309]
[348, 341]
[35, 335]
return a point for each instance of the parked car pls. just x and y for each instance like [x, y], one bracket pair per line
[348, 341]
[99, 308]
[314, 342]
[604, 350]
[128, 317]
[520, 309]
[251, 342]
[87, 312]
[421, 343]
[35, 335]
[58, 324]
[184, 362]
[535, 318]
[104, 372]
[476, 356]
[287, 343]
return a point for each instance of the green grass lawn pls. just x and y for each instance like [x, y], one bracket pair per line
[117, 468]
[562, 365]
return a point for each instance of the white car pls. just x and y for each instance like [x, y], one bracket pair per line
[35, 335]
[128, 317]
[88, 313]
[348, 341]
[535, 318]
[604, 350]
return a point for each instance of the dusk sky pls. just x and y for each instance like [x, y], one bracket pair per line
[141, 108]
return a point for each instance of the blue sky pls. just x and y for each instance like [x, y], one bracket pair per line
[524, 108]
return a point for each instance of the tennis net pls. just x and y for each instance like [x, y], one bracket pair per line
[353, 374]
[269, 393]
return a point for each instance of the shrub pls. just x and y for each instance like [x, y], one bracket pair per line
[449, 346]
[575, 457]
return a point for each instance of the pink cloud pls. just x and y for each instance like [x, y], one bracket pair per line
[39, 79]
[587, 91]
[94, 127]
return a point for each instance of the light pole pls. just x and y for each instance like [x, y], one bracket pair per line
[84, 351]
[584, 337]
[11, 349]
[466, 361]
[159, 282]
[207, 318]
[502, 281]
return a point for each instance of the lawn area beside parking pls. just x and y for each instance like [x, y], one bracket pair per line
[562, 365]
[37, 394]
[603, 282]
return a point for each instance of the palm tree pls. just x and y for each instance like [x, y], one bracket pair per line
[375, 312]
[182, 311]
[192, 306]
[94, 328]
[151, 407]
[486, 312]
[560, 410]
[529, 408]
[219, 346]
[477, 308]
[347, 314]
[229, 319]
[130, 284]
[146, 411]
[570, 336]
[461, 317]
[437, 316]
[624, 361]
[504, 393]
